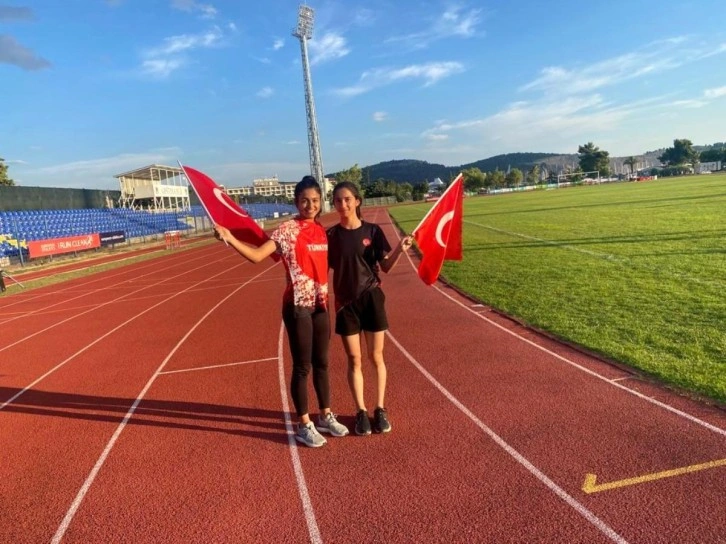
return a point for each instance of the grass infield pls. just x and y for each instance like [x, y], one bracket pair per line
[633, 271]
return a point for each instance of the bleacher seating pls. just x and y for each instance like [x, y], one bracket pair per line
[19, 227]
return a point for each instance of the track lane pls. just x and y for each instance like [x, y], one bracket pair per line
[89, 410]
[75, 289]
[65, 326]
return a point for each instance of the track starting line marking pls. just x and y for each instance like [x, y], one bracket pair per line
[591, 485]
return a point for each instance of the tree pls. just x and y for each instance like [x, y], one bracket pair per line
[420, 190]
[474, 179]
[4, 178]
[533, 175]
[631, 162]
[514, 177]
[353, 174]
[497, 178]
[592, 158]
[680, 154]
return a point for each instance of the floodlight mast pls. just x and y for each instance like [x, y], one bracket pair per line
[304, 31]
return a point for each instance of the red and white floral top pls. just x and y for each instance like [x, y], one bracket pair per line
[303, 246]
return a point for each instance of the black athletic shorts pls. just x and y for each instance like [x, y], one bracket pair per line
[367, 313]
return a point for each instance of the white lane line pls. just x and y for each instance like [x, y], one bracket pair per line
[658, 403]
[122, 297]
[646, 398]
[125, 270]
[584, 512]
[622, 379]
[302, 487]
[217, 366]
[93, 291]
[624, 260]
[68, 518]
[97, 340]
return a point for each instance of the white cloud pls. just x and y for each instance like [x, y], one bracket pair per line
[715, 93]
[330, 46]
[651, 59]
[161, 68]
[98, 173]
[265, 92]
[278, 44]
[453, 22]
[430, 73]
[689, 103]
[572, 105]
[379, 116]
[206, 11]
[177, 44]
[293, 142]
[161, 61]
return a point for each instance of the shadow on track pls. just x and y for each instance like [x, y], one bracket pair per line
[234, 420]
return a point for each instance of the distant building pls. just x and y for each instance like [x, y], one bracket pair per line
[436, 185]
[271, 186]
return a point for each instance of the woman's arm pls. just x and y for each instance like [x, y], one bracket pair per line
[251, 253]
[391, 259]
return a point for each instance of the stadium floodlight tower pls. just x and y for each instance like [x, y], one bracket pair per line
[304, 31]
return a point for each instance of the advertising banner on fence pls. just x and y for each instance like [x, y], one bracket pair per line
[56, 246]
[110, 238]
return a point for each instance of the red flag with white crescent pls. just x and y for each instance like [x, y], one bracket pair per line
[439, 234]
[224, 211]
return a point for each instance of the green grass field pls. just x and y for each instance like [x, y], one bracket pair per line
[634, 271]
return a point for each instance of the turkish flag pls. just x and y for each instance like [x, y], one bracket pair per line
[224, 211]
[439, 234]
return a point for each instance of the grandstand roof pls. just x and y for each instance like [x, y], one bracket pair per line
[146, 172]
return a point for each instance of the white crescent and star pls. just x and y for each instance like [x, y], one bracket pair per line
[448, 216]
[220, 196]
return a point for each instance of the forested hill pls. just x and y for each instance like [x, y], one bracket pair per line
[414, 171]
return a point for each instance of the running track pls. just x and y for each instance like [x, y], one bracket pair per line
[149, 404]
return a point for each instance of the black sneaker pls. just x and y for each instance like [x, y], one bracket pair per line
[362, 423]
[380, 421]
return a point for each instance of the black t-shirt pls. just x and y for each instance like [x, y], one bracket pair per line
[354, 254]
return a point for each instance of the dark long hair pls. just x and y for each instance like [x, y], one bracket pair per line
[353, 188]
[309, 182]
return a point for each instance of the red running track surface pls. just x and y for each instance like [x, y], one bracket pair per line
[150, 404]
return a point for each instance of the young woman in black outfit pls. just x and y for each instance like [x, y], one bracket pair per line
[357, 252]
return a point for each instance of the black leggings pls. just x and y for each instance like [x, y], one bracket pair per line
[308, 333]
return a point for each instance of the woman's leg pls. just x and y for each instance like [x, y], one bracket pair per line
[299, 327]
[374, 346]
[351, 344]
[320, 344]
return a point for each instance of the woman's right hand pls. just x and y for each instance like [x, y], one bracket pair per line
[222, 233]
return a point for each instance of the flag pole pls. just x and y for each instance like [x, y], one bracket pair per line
[435, 203]
[199, 197]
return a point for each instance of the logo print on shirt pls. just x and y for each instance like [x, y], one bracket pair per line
[366, 242]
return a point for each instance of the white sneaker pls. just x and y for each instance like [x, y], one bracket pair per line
[329, 424]
[308, 435]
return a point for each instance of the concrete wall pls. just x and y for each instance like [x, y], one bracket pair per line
[53, 198]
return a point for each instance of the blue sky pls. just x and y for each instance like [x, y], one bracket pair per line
[93, 88]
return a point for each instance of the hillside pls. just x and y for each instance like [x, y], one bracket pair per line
[415, 171]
